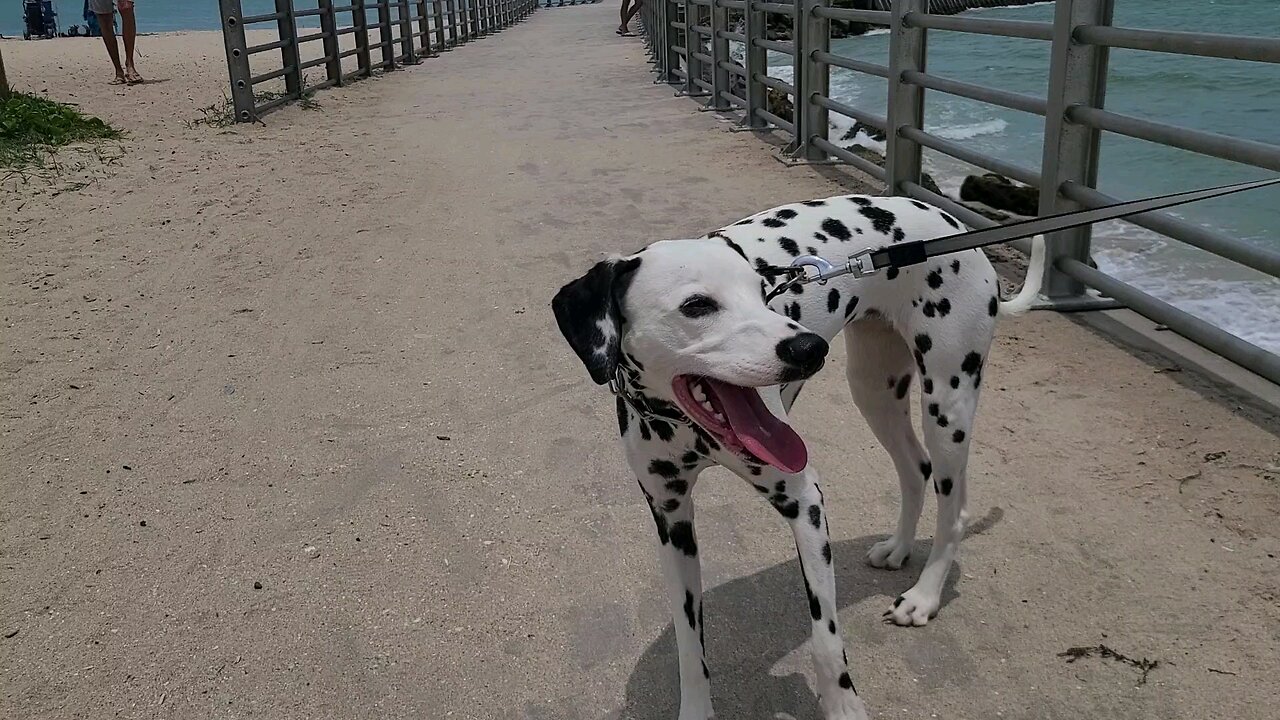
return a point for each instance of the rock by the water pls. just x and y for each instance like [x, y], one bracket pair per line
[1001, 193]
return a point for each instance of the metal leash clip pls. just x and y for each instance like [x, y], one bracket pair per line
[857, 264]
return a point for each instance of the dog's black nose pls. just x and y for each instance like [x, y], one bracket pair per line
[806, 351]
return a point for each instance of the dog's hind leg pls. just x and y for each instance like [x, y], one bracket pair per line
[799, 499]
[880, 371]
[951, 356]
[667, 485]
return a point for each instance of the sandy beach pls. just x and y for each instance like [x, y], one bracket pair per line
[288, 431]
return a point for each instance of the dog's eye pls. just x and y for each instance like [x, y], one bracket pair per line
[698, 306]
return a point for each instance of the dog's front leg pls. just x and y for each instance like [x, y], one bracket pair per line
[799, 499]
[668, 487]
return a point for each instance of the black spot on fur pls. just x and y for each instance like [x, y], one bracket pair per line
[700, 447]
[755, 470]
[924, 343]
[950, 220]
[859, 200]
[789, 245]
[882, 220]
[671, 505]
[891, 273]
[955, 382]
[957, 436]
[793, 311]
[930, 309]
[944, 307]
[945, 486]
[815, 605]
[679, 487]
[904, 385]
[662, 429]
[826, 552]
[853, 305]
[846, 682]
[789, 510]
[898, 602]
[811, 250]
[690, 458]
[972, 363]
[660, 522]
[919, 204]
[898, 235]
[919, 356]
[682, 538]
[664, 468]
[796, 289]
[935, 279]
[836, 229]
[772, 223]
[955, 266]
[993, 306]
[933, 409]
[622, 416]
[892, 381]
[943, 421]
[833, 300]
[688, 610]
[644, 430]
[815, 517]
[814, 203]
[926, 468]
[927, 384]
[705, 672]
[748, 221]
[831, 627]
[735, 247]
[820, 237]
[780, 486]
[785, 214]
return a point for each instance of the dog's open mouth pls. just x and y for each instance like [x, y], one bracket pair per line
[738, 418]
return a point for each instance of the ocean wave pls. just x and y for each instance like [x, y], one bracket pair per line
[972, 130]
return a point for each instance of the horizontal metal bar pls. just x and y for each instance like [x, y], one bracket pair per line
[679, 73]
[348, 53]
[736, 37]
[344, 8]
[876, 121]
[703, 84]
[702, 30]
[248, 19]
[733, 98]
[973, 157]
[1233, 47]
[313, 63]
[1003, 98]
[1242, 353]
[703, 57]
[1261, 259]
[871, 17]
[320, 85]
[343, 31]
[861, 163]
[677, 25]
[774, 45]
[851, 64]
[1248, 152]
[776, 84]
[981, 26]
[704, 3]
[312, 36]
[784, 124]
[734, 68]
[732, 4]
[778, 8]
[255, 49]
[274, 103]
[307, 13]
[271, 75]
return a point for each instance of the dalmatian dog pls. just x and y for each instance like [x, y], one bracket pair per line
[706, 368]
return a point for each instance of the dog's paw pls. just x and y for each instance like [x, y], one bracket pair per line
[848, 707]
[913, 608]
[889, 554]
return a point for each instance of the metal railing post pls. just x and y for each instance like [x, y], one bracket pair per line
[719, 55]
[692, 44]
[384, 35]
[424, 24]
[328, 26]
[1077, 77]
[813, 78]
[409, 56]
[453, 21]
[473, 21]
[288, 30]
[671, 63]
[437, 14]
[360, 21]
[906, 101]
[756, 64]
[237, 59]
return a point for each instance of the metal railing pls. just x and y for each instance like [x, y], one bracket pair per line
[344, 42]
[565, 3]
[689, 42]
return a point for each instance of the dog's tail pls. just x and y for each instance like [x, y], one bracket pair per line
[1030, 291]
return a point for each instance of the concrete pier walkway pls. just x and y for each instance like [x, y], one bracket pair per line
[288, 432]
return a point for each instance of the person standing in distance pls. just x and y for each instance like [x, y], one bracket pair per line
[105, 10]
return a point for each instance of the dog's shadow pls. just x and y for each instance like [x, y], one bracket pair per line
[756, 621]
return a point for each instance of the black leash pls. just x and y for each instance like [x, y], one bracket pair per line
[902, 255]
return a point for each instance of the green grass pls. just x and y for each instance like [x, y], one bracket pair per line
[32, 127]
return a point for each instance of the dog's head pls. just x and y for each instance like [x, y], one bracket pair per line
[692, 314]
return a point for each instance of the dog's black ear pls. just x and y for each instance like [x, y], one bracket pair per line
[589, 313]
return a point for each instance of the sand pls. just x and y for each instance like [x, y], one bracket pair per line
[288, 431]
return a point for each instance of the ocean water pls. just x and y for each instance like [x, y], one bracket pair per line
[1234, 98]
[1230, 97]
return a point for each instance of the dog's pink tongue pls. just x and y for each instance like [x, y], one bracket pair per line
[767, 437]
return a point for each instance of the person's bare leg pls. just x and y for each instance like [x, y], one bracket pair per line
[107, 21]
[628, 13]
[129, 28]
[624, 17]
